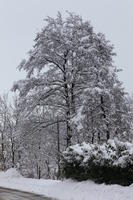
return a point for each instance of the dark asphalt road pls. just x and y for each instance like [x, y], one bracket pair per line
[7, 194]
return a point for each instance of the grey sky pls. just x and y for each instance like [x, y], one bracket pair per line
[21, 19]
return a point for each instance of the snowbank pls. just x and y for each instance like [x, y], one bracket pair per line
[66, 190]
[11, 173]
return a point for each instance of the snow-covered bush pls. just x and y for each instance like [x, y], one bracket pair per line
[111, 162]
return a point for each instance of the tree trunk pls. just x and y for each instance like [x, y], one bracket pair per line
[2, 152]
[105, 117]
[58, 148]
[67, 97]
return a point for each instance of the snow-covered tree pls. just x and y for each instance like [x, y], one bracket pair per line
[8, 143]
[105, 112]
[68, 59]
[71, 94]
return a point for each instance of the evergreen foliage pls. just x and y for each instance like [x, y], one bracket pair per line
[110, 163]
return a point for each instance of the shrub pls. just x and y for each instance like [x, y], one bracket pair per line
[110, 163]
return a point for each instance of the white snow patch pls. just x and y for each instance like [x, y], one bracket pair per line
[11, 173]
[65, 190]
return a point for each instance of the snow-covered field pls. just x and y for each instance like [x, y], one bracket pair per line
[65, 190]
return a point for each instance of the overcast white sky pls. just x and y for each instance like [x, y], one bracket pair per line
[20, 20]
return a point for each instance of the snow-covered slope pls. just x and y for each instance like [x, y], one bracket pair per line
[66, 190]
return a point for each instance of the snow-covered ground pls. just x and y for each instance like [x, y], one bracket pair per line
[65, 190]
